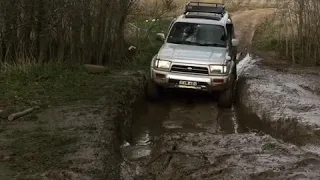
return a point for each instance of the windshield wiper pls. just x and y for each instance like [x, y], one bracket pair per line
[212, 44]
[190, 43]
[176, 42]
[184, 42]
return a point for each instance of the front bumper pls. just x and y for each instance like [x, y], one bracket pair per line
[203, 82]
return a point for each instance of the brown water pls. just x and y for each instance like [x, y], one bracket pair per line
[184, 112]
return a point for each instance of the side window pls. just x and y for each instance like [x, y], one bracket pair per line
[230, 33]
[230, 28]
[230, 36]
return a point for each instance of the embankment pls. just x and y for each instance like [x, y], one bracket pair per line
[284, 101]
[117, 127]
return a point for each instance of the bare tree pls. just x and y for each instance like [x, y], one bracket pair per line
[73, 31]
[301, 21]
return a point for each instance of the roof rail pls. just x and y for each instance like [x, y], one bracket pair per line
[217, 8]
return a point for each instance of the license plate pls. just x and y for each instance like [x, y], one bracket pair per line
[188, 83]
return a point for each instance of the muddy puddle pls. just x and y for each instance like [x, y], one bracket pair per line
[186, 136]
[183, 111]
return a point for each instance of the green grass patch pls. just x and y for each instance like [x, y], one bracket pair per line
[53, 84]
[46, 84]
[267, 36]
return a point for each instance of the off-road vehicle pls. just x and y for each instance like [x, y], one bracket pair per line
[198, 53]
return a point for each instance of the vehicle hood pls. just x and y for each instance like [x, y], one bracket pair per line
[192, 54]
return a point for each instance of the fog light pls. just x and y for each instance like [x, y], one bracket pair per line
[160, 76]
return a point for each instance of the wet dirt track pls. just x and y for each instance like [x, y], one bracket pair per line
[190, 138]
[185, 136]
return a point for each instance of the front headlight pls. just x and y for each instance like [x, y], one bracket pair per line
[219, 69]
[162, 64]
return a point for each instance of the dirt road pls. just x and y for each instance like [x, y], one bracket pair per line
[187, 137]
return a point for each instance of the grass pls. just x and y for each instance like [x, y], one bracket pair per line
[266, 37]
[44, 84]
[266, 44]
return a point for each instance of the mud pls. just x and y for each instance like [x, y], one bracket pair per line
[285, 99]
[186, 136]
[190, 138]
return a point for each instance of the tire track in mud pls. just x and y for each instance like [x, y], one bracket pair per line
[187, 137]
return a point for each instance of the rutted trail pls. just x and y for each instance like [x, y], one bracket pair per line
[188, 137]
[245, 156]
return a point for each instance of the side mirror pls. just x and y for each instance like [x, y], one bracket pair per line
[228, 58]
[161, 37]
[235, 42]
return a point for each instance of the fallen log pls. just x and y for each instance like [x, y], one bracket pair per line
[6, 112]
[21, 113]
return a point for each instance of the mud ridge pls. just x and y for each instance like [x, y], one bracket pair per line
[283, 113]
[122, 121]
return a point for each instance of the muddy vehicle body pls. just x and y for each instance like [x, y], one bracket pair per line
[198, 53]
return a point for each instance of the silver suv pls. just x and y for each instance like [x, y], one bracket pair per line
[198, 53]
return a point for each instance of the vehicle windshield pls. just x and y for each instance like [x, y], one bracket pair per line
[198, 34]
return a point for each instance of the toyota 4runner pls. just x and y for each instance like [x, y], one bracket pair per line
[199, 53]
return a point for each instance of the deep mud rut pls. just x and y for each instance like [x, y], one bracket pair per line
[185, 136]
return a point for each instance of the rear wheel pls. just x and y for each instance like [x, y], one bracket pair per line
[226, 98]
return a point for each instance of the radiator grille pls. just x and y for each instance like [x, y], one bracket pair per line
[190, 69]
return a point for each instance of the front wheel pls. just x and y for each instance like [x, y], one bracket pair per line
[153, 91]
[226, 98]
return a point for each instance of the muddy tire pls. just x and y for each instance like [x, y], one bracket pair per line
[235, 72]
[226, 98]
[154, 92]
[235, 85]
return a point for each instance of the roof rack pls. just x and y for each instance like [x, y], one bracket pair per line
[217, 8]
[201, 15]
